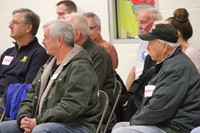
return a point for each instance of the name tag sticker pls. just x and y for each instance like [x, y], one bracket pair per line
[149, 89]
[7, 60]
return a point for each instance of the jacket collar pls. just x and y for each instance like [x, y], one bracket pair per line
[30, 44]
[87, 43]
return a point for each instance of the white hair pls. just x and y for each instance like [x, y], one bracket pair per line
[172, 45]
[61, 28]
[78, 22]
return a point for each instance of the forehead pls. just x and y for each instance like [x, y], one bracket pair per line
[62, 8]
[144, 17]
[154, 42]
[18, 16]
[90, 20]
[46, 31]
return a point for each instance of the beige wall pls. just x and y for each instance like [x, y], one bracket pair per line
[126, 52]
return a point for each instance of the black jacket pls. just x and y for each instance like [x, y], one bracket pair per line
[175, 99]
[25, 64]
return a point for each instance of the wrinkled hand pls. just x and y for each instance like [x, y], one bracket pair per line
[28, 124]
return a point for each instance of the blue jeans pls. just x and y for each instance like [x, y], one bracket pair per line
[51, 127]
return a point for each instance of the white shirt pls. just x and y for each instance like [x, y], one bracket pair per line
[142, 52]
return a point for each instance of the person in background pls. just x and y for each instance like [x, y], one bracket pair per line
[130, 101]
[171, 98]
[146, 21]
[181, 22]
[100, 57]
[20, 64]
[65, 7]
[95, 34]
[64, 95]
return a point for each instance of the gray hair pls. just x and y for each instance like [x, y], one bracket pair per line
[154, 14]
[78, 22]
[29, 18]
[96, 21]
[172, 45]
[61, 28]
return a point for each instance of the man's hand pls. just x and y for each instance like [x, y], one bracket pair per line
[28, 124]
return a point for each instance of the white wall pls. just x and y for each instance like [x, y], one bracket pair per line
[126, 52]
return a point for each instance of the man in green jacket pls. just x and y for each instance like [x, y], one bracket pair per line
[63, 97]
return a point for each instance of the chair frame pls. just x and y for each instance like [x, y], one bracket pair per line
[103, 98]
[117, 93]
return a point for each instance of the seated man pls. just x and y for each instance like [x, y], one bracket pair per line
[20, 64]
[146, 20]
[99, 56]
[95, 34]
[64, 95]
[171, 98]
[130, 102]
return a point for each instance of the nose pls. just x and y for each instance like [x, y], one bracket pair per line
[10, 25]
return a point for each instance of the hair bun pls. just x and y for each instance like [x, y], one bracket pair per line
[181, 15]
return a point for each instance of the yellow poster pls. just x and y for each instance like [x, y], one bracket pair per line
[128, 12]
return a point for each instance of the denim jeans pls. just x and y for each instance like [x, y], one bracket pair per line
[51, 127]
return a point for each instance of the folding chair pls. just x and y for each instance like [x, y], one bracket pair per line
[104, 100]
[2, 117]
[112, 117]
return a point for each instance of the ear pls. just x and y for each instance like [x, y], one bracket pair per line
[165, 46]
[29, 28]
[77, 34]
[60, 41]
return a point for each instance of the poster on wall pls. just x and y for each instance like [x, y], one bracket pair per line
[128, 11]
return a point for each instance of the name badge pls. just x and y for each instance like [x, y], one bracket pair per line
[149, 89]
[7, 60]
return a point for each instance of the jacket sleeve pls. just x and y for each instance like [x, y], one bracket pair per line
[113, 54]
[169, 94]
[103, 69]
[26, 106]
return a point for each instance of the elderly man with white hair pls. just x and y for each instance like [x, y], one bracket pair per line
[171, 97]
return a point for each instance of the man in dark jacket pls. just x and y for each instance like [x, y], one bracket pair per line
[20, 64]
[98, 54]
[64, 95]
[171, 98]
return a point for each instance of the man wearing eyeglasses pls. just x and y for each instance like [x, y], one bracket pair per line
[95, 34]
[20, 63]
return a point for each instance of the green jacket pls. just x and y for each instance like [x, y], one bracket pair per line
[72, 98]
